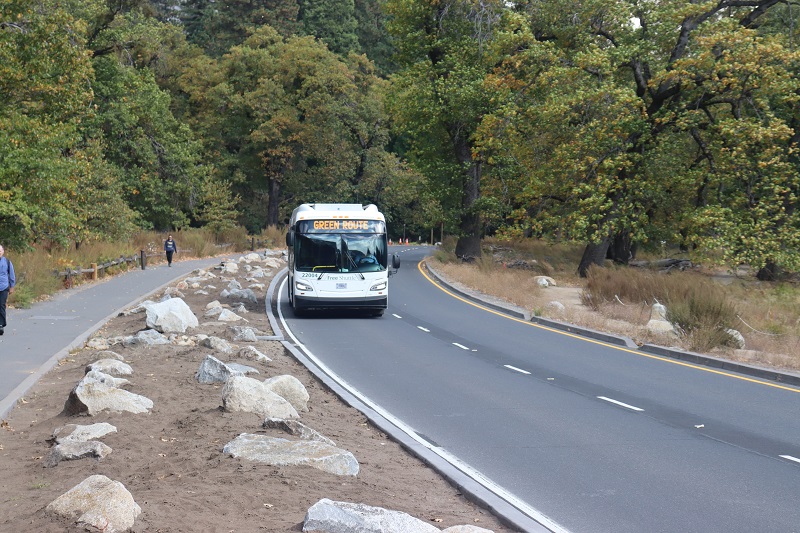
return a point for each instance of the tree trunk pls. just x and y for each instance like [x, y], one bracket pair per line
[769, 272]
[593, 254]
[621, 249]
[273, 201]
[468, 246]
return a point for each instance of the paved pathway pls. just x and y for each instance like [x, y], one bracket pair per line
[37, 338]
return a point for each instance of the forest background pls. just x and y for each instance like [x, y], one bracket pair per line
[622, 125]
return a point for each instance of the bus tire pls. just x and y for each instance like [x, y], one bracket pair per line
[378, 313]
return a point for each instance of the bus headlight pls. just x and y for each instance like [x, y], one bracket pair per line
[378, 286]
[300, 286]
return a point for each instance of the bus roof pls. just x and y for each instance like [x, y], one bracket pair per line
[333, 211]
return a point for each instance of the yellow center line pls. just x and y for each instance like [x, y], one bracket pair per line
[422, 263]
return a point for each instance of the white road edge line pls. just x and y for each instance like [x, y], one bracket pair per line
[515, 369]
[625, 405]
[426, 330]
[460, 346]
[478, 476]
[790, 458]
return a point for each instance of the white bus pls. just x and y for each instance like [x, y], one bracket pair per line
[339, 258]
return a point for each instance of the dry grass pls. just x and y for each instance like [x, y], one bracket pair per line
[702, 303]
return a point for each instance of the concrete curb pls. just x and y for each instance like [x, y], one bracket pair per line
[469, 486]
[788, 378]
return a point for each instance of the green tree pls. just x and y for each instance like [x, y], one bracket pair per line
[635, 121]
[440, 97]
[49, 170]
[331, 21]
[289, 121]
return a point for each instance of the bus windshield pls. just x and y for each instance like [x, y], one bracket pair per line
[341, 252]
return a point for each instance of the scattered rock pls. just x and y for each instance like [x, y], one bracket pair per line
[243, 333]
[251, 353]
[110, 366]
[147, 337]
[82, 433]
[736, 338]
[215, 343]
[72, 450]
[297, 429]
[289, 387]
[327, 516]
[241, 393]
[283, 452]
[212, 370]
[544, 281]
[228, 316]
[172, 316]
[93, 397]
[100, 377]
[98, 502]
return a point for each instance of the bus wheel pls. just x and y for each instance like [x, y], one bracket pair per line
[377, 313]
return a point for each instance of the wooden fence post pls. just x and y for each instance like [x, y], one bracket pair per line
[94, 271]
[144, 259]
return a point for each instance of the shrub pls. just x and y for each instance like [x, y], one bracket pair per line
[696, 305]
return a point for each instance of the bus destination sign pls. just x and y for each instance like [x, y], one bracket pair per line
[345, 225]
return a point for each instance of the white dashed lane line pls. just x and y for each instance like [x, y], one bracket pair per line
[396, 316]
[515, 369]
[790, 458]
[460, 346]
[616, 402]
[426, 330]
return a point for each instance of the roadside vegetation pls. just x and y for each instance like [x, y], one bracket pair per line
[36, 268]
[704, 303]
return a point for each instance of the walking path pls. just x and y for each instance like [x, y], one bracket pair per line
[37, 338]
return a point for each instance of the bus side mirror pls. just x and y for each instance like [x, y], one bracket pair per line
[289, 239]
[395, 261]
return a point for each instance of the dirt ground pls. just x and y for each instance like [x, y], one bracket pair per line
[171, 459]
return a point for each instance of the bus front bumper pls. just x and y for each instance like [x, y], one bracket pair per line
[375, 302]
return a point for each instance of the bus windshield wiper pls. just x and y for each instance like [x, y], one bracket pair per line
[355, 266]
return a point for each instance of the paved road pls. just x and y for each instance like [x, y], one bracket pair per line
[591, 436]
[37, 338]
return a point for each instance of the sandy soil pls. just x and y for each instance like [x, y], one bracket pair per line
[171, 459]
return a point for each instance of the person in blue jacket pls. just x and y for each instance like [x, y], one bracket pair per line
[170, 247]
[7, 282]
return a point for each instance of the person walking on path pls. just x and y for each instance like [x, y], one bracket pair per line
[7, 282]
[170, 247]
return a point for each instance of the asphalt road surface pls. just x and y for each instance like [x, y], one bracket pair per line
[592, 437]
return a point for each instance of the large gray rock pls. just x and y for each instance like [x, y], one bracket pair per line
[92, 398]
[110, 366]
[101, 377]
[658, 322]
[147, 337]
[290, 388]
[72, 449]
[281, 452]
[216, 343]
[243, 333]
[251, 353]
[297, 429]
[243, 294]
[327, 516]
[171, 316]
[82, 433]
[241, 393]
[228, 316]
[212, 370]
[98, 502]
